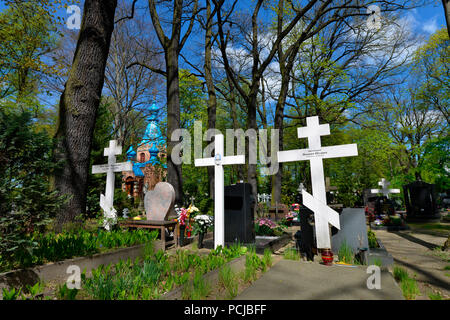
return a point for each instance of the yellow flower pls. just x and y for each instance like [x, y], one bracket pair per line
[192, 208]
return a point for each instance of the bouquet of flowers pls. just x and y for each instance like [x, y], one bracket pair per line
[202, 222]
[192, 209]
[289, 216]
[182, 215]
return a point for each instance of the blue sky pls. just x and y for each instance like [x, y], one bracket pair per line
[422, 21]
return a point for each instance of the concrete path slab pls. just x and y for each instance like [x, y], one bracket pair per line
[301, 280]
[416, 252]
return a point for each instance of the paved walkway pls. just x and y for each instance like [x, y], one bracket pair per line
[414, 252]
[301, 280]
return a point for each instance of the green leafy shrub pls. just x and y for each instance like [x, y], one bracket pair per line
[26, 205]
[12, 294]
[372, 238]
[64, 293]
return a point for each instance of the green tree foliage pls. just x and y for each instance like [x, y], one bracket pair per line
[432, 66]
[26, 204]
[27, 36]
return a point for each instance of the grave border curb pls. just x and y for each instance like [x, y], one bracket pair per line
[56, 271]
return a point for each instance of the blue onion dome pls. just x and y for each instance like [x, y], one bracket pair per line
[153, 111]
[152, 132]
[131, 154]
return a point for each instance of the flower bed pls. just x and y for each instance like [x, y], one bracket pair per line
[156, 275]
[53, 247]
[266, 227]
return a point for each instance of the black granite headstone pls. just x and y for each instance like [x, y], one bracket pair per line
[420, 201]
[239, 213]
[306, 235]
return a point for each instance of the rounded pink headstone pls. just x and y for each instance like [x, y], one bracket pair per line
[159, 201]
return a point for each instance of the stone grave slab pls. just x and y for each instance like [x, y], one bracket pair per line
[353, 230]
[159, 202]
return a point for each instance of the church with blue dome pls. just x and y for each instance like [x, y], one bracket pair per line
[148, 159]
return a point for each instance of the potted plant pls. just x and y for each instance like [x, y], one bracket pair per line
[202, 223]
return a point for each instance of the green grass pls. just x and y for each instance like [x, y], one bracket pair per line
[267, 258]
[444, 255]
[291, 254]
[346, 254]
[435, 296]
[377, 262]
[51, 247]
[430, 226]
[228, 279]
[198, 289]
[408, 285]
[371, 237]
[158, 273]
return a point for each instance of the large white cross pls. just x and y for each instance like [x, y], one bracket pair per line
[107, 200]
[385, 188]
[218, 161]
[317, 202]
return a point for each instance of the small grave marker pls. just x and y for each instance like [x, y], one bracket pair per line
[385, 188]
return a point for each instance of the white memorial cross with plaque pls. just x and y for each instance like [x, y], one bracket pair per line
[315, 153]
[219, 208]
[107, 200]
[385, 188]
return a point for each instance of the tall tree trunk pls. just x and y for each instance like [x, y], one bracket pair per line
[212, 101]
[78, 106]
[278, 125]
[446, 4]
[252, 124]
[174, 171]
[239, 168]
[172, 47]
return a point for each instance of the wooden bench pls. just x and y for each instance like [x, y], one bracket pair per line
[156, 224]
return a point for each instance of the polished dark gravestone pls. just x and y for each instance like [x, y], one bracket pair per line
[305, 236]
[239, 213]
[353, 231]
[420, 201]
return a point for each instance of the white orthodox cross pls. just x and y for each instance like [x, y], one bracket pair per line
[107, 200]
[218, 161]
[385, 188]
[315, 153]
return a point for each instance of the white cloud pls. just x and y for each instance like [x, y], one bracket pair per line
[430, 26]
